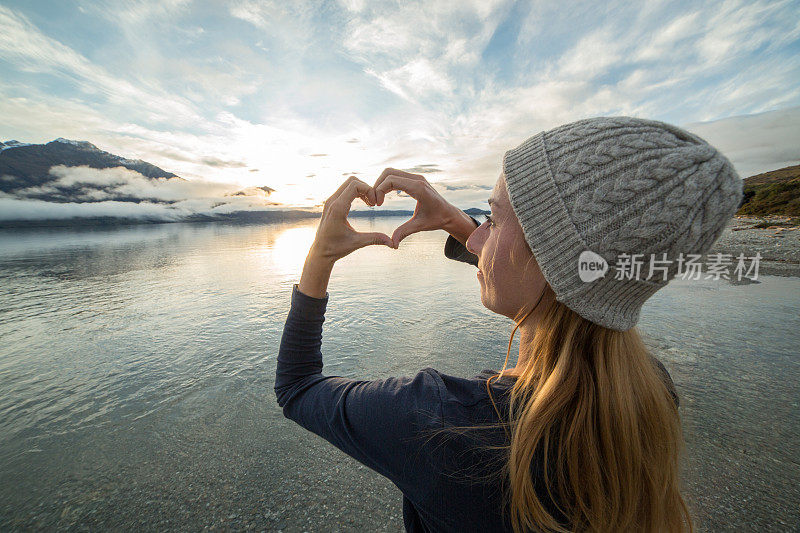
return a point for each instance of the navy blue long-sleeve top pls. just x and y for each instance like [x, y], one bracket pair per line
[390, 425]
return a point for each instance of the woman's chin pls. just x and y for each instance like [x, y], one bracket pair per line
[485, 300]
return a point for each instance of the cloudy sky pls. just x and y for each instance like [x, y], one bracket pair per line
[298, 95]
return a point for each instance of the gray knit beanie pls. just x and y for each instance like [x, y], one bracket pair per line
[611, 186]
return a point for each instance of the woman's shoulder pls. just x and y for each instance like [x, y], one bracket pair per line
[469, 391]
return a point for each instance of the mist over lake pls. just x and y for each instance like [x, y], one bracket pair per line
[137, 367]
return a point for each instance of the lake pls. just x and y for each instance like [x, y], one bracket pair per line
[137, 367]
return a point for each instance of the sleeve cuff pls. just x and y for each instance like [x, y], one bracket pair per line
[453, 249]
[307, 306]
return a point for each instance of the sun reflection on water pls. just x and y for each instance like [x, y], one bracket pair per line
[290, 249]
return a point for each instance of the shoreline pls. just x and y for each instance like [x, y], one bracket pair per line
[778, 245]
[777, 242]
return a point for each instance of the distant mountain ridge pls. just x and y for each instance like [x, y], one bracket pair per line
[25, 165]
[75, 184]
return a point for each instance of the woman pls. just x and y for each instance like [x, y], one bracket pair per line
[583, 433]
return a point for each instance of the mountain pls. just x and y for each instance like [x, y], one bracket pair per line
[474, 211]
[24, 165]
[772, 193]
[74, 183]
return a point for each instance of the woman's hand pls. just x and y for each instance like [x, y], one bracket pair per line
[336, 238]
[432, 211]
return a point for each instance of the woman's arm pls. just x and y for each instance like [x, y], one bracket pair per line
[460, 225]
[380, 423]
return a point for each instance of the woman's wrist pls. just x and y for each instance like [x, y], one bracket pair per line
[460, 225]
[316, 274]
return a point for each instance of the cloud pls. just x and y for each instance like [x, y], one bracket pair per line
[26, 46]
[19, 209]
[129, 183]
[421, 50]
[220, 163]
[138, 11]
[253, 191]
[418, 79]
[427, 168]
[124, 193]
[755, 143]
[287, 26]
[466, 187]
[301, 92]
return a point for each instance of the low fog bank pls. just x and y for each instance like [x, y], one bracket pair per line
[83, 195]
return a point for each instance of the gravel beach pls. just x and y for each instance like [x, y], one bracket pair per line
[779, 248]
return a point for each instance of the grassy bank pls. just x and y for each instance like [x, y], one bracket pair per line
[772, 193]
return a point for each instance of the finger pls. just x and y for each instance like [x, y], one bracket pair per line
[397, 183]
[394, 172]
[367, 239]
[373, 198]
[341, 189]
[384, 174]
[367, 195]
[403, 231]
[369, 198]
[354, 189]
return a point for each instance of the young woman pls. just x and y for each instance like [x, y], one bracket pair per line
[583, 433]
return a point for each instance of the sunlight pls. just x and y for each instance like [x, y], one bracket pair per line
[297, 196]
[290, 249]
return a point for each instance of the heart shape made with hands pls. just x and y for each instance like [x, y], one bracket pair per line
[431, 211]
[370, 198]
[337, 238]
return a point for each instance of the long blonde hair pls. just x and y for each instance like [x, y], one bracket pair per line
[591, 401]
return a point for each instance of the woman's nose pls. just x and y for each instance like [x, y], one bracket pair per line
[472, 242]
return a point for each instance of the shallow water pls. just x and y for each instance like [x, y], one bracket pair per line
[137, 365]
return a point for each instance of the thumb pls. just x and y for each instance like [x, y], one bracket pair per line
[377, 238]
[403, 231]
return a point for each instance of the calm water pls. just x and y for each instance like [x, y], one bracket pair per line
[137, 365]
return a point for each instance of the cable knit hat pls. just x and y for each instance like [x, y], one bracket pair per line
[611, 186]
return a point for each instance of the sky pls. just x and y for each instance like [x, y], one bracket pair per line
[297, 96]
